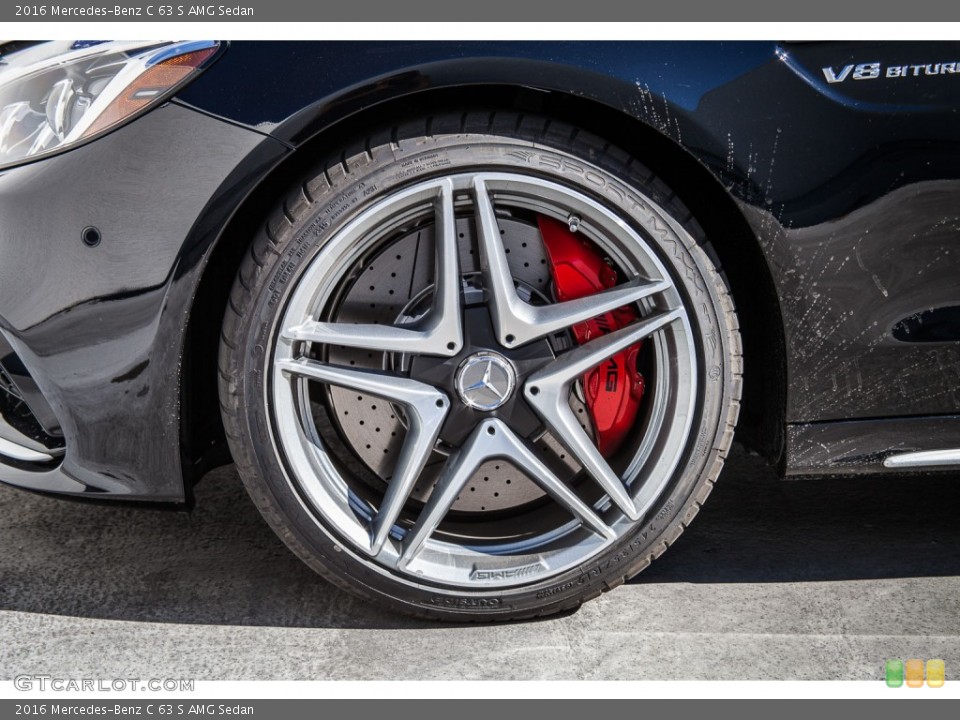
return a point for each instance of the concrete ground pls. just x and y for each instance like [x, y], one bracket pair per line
[804, 580]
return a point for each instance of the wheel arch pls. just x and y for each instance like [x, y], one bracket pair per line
[739, 252]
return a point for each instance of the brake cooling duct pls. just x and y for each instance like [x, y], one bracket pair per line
[613, 390]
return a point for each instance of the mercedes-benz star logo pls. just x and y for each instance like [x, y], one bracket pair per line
[485, 381]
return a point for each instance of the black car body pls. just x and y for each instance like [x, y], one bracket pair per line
[826, 174]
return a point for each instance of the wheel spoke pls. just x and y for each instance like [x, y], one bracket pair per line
[421, 438]
[516, 321]
[388, 338]
[493, 262]
[548, 392]
[547, 319]
[583, 358]
[445, 329]
[374, 382]
[453, 478]
[439, 332]
[493, 439]
[509, 446]
[426, 409]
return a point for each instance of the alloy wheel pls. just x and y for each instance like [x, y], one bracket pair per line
[421, 358]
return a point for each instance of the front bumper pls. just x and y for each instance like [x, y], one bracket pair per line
[29, 431]
[100, 330]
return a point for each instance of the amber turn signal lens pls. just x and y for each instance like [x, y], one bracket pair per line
[149, 85]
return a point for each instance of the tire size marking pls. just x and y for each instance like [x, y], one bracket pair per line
[464, 602]
[625, 553]
[421, 164]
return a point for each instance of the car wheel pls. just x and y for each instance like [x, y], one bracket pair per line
[480, 367]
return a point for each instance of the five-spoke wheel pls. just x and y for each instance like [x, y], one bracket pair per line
[416, 381]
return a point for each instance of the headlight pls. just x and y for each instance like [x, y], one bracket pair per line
[56, 95]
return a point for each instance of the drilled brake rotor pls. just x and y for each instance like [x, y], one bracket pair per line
[398, 277]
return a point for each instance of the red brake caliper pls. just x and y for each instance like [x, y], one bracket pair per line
[614, 389]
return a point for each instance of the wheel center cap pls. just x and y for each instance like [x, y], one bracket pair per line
[485, 381]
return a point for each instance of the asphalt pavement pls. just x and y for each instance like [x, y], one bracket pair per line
[819, 579]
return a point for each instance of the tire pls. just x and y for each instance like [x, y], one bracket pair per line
[378, 291]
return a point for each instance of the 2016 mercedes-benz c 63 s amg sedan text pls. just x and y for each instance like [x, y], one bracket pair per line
[475, 321]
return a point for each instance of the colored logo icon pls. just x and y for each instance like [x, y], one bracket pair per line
[912, 671]
[936, 673]
[894, 672]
